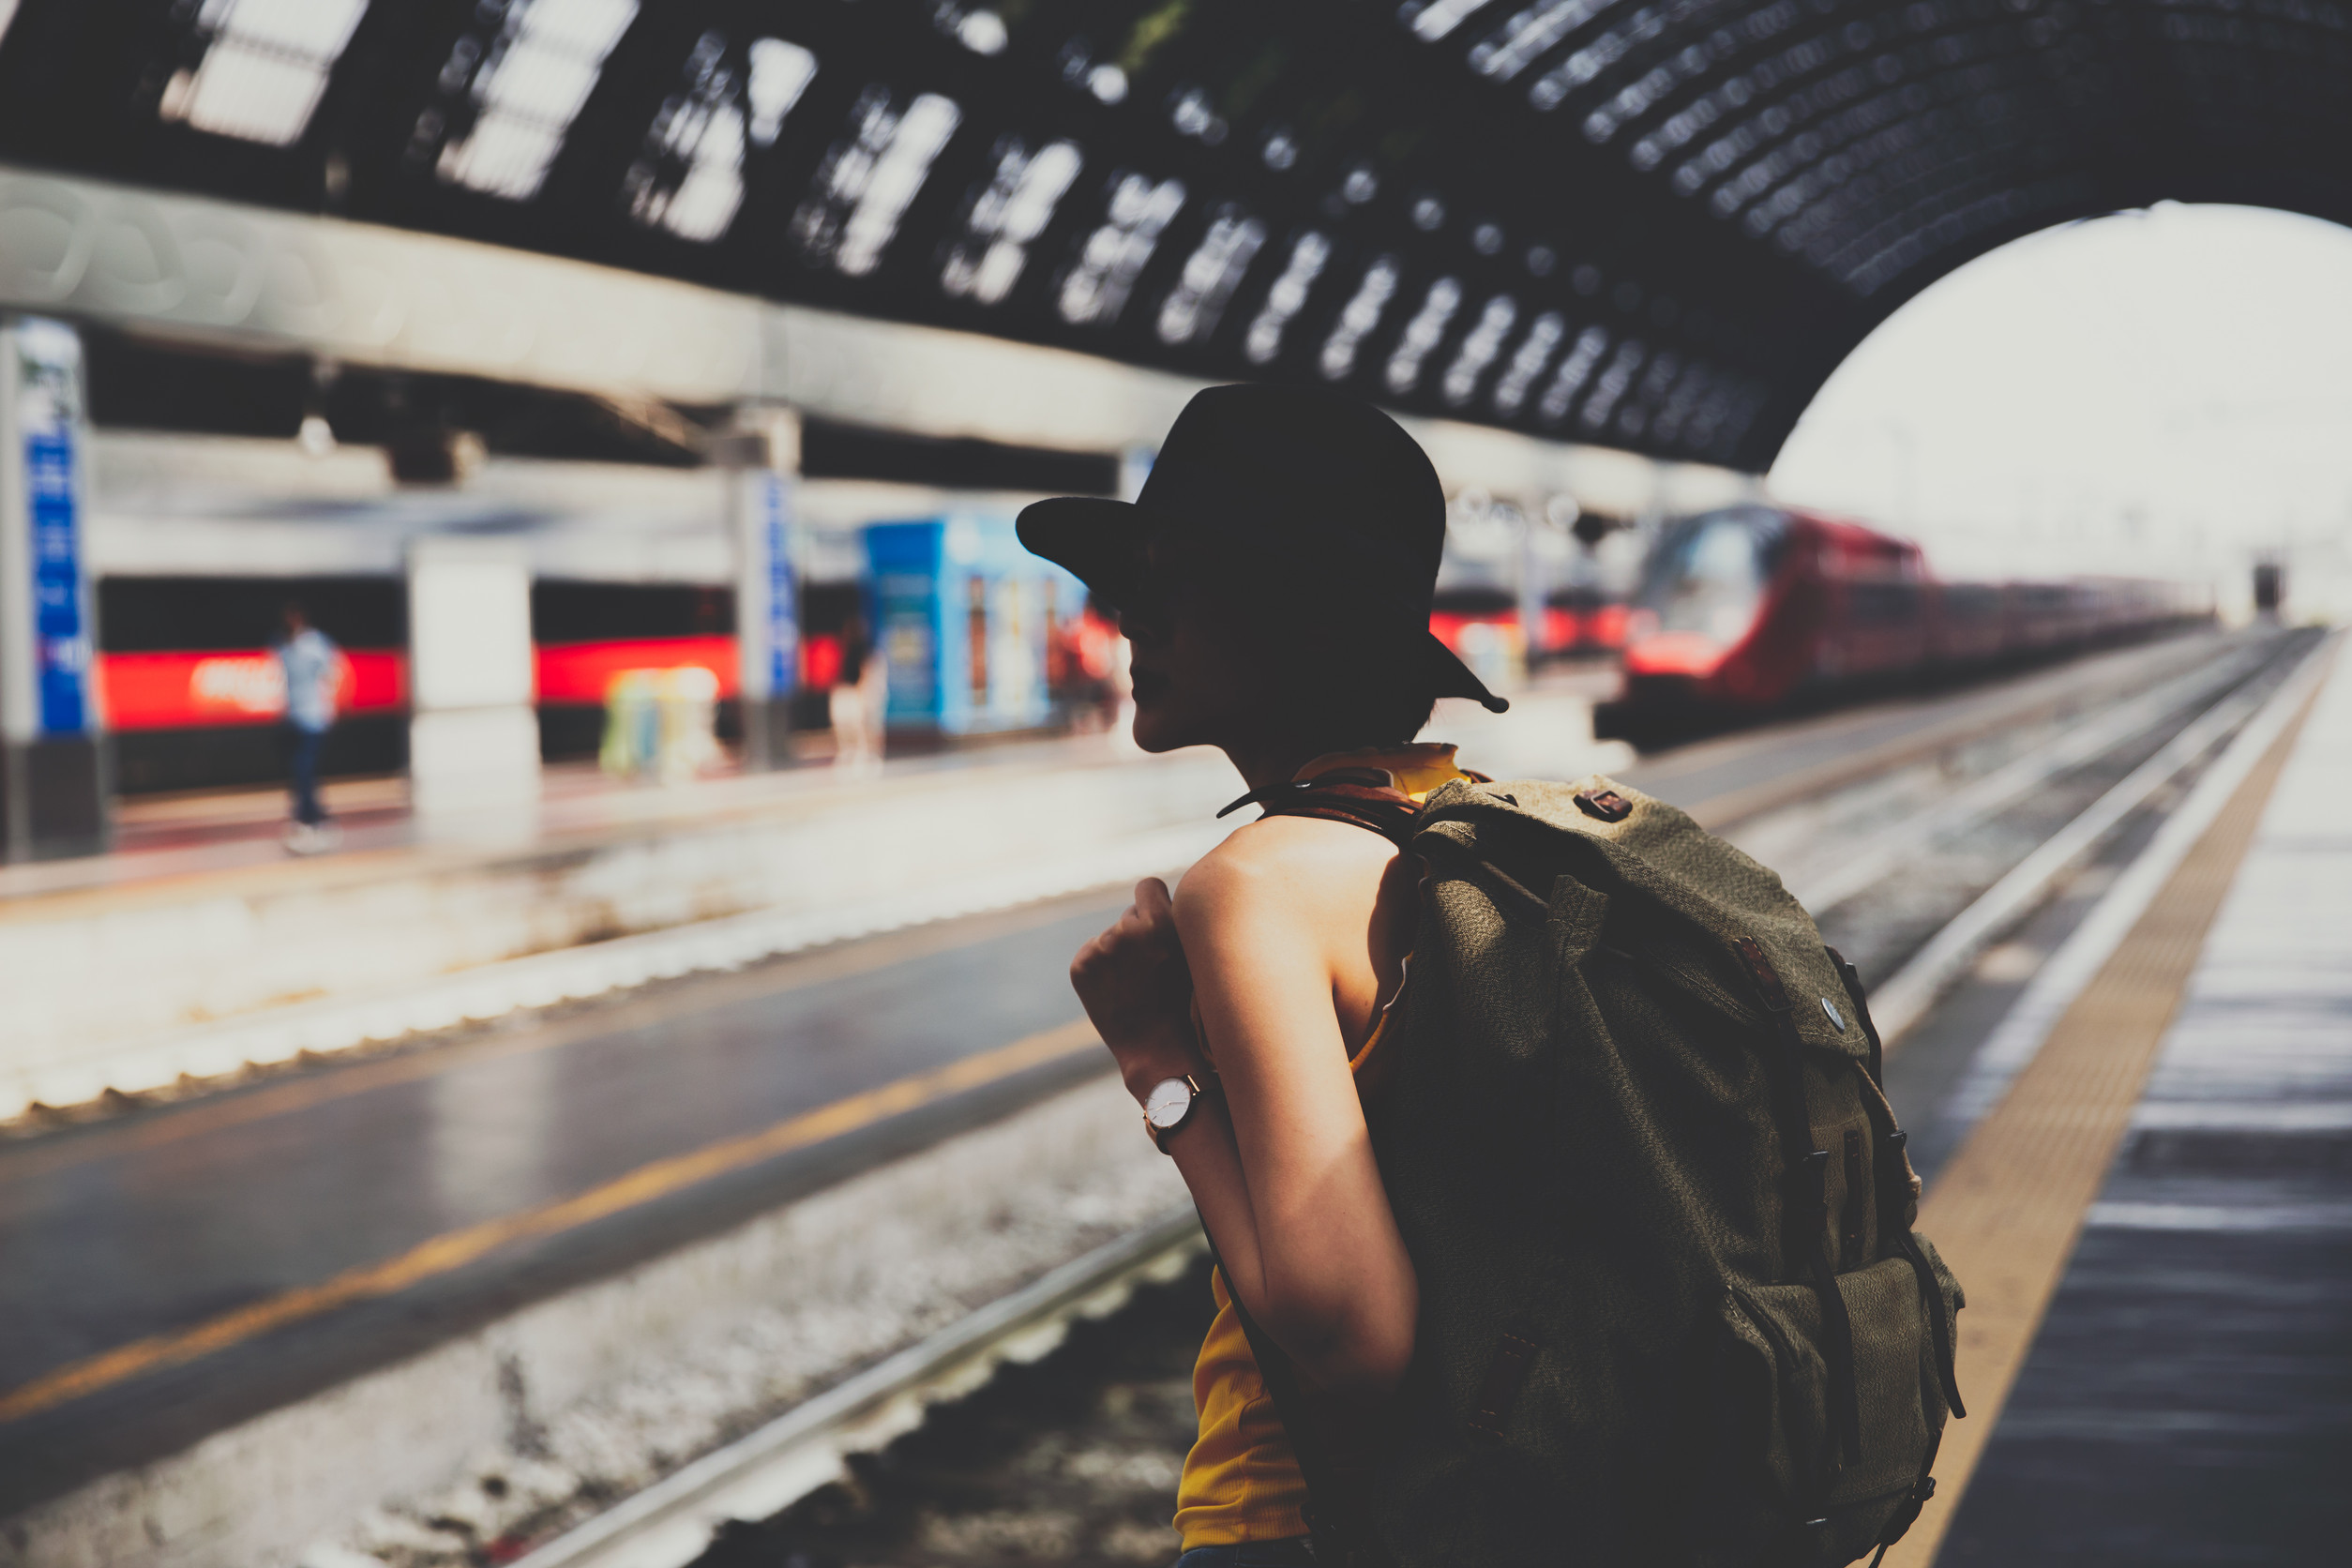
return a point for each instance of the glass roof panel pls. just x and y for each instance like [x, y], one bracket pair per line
[1008, 214]
[265, 65]
[1287, 297]
[1479, 347]
[537, 75]
[897, 173]
[1212, 273]
[1421, 334]
[1544, 334]
[1095, 289]
[1359, 317]
[1574, 371]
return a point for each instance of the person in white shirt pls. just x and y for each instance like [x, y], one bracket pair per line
[314, 668]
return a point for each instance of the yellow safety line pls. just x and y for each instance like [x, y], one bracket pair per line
[445, 1253]
[2006, 1210]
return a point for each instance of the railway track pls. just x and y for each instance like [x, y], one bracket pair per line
[1068, 1459]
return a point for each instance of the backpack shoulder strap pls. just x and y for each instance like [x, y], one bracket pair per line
[1360, 796]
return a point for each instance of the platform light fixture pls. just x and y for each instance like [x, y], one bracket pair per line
[265, 66]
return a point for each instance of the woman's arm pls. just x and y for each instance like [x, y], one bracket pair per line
[1280, 1162]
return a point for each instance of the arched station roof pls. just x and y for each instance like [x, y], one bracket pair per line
[1656, 224]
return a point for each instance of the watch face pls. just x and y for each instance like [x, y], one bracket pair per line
[1168, 1102]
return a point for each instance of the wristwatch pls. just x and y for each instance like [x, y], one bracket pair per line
[1170, 1106]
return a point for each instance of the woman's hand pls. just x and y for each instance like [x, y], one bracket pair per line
[1137, 990]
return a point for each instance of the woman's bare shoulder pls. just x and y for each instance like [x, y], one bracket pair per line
[1281, 868]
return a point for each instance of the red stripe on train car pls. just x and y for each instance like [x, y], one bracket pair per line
[235, 686]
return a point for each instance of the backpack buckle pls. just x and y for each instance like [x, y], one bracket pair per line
[1606, 804]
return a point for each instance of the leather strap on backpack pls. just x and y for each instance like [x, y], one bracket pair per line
[1851, 977]
[1806, 1188]
[1898, 1197]
[1362, 796]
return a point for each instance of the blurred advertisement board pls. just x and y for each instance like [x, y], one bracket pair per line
[963, 615]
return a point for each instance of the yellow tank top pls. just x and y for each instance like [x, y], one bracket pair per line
[1242, 1481]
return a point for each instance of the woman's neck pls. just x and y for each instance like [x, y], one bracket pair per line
[1267, 762]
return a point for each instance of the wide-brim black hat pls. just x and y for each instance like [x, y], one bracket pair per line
[1313, 488]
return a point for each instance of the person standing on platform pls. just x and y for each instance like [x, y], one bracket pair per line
[1517, 1263]
[1288, 624]
[861, 692]
[314, 668]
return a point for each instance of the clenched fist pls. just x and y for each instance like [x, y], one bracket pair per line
[1137, 990]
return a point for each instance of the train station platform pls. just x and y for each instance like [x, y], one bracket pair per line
[2150, 1197]
[247, 959]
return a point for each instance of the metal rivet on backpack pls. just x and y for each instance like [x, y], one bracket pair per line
[1837, 1020]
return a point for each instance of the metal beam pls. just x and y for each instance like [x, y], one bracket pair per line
[252, 279]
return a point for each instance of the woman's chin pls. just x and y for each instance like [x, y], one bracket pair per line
[1154, 730]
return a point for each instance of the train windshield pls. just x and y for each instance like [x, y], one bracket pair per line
[1709, 572]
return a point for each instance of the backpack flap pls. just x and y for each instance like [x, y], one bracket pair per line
[1611, 835]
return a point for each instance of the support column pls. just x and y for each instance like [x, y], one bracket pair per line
[473, 738]
[55, 779]
[762, 466]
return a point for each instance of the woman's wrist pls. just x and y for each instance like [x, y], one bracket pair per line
[1152, 1056]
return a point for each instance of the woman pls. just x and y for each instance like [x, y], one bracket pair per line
[1274, 578]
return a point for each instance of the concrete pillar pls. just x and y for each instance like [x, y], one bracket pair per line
[472, 739]
[760, 464]
[55, 779]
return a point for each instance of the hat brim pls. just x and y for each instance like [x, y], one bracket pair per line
[1100, 542]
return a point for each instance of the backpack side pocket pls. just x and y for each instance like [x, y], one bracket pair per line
[1837, 1510]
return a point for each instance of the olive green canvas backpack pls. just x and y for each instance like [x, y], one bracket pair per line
[1672, 1307]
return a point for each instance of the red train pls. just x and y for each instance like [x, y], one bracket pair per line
[1751, 608]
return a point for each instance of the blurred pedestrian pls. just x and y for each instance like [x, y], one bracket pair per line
[859, 700]
[313, 667]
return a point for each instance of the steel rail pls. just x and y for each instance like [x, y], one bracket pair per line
[1880, 855]
[1905, 998]
[671, 1522]
[1729, 807]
